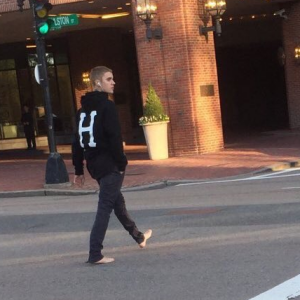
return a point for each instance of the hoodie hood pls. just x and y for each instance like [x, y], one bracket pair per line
[92, 100]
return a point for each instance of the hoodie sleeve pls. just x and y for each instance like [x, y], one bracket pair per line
[77, 151]
[112, 130]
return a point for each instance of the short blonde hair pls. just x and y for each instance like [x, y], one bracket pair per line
[97, 73]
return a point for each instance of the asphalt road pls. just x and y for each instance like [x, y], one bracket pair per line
[218, 240]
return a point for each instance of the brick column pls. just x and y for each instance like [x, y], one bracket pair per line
[179, 66]
[291, 38]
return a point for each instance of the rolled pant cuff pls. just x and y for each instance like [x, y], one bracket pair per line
[93, 259]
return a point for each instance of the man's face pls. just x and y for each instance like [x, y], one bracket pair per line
[107, 83]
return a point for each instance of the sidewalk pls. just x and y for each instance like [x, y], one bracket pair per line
[22, 170]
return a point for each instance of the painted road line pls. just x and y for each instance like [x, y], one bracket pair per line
[280, 176]
[279, 172]
[222, 181]
[290, 289]
[260, 177]
[291, 188]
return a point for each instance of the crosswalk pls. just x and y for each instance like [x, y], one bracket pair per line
[288, 290]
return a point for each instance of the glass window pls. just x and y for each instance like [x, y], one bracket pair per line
[66, 98]
[38, 97]
[32, 59]
[61, 58]
[10, 107]
[7, 64]
[25, 91]
[18, 86]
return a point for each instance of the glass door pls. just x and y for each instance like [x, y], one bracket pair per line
[10, 108]
[60, 93]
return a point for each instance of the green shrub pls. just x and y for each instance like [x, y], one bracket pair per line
[153, 109]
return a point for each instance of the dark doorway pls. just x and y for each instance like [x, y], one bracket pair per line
[252, 85]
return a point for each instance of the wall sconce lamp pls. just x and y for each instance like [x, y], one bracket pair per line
[146, 11]
[216, 9]
[86, 78]
[297, 54]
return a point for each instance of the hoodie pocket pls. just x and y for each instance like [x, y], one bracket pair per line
[100, 165]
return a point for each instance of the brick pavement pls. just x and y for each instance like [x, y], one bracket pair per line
[25, 170]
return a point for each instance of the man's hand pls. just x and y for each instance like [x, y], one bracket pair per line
[79, 180]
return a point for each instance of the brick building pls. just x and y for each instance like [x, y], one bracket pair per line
[247, 79]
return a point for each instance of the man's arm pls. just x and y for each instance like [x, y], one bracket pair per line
[77, 158]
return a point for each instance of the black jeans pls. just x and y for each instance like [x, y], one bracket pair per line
[110, 198]
[30, 137]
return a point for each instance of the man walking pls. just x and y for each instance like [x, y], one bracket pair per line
[98, 140]
[27, 121]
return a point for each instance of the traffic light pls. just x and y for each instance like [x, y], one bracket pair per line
[42, 20]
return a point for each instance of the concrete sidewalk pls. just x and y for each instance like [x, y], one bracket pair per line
[22, 172]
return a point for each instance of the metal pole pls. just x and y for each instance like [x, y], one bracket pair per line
[56, 172]
[40, 46]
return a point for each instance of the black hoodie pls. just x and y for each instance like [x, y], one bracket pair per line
[98, 137]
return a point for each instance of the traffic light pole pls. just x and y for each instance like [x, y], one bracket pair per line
[41, 53]
[56, 171]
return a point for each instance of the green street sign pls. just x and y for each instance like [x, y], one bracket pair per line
[62, 21]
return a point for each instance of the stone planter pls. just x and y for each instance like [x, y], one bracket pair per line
[156, 135]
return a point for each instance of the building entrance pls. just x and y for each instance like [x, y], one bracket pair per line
[18, 87]
[252, 76]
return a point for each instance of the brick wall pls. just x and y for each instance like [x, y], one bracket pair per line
[105, 49]
[177, 66]
[291, 38]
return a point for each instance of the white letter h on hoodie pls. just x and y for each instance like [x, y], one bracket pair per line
[89, 129]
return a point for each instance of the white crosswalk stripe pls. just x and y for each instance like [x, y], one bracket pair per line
[288, 290]
[274, 175]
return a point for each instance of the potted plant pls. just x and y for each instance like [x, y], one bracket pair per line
[155, 126]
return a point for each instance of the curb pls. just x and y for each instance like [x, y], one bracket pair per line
[28, 193]
[46, 192]
[279, 167]
[50, 191]
[150, 186]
